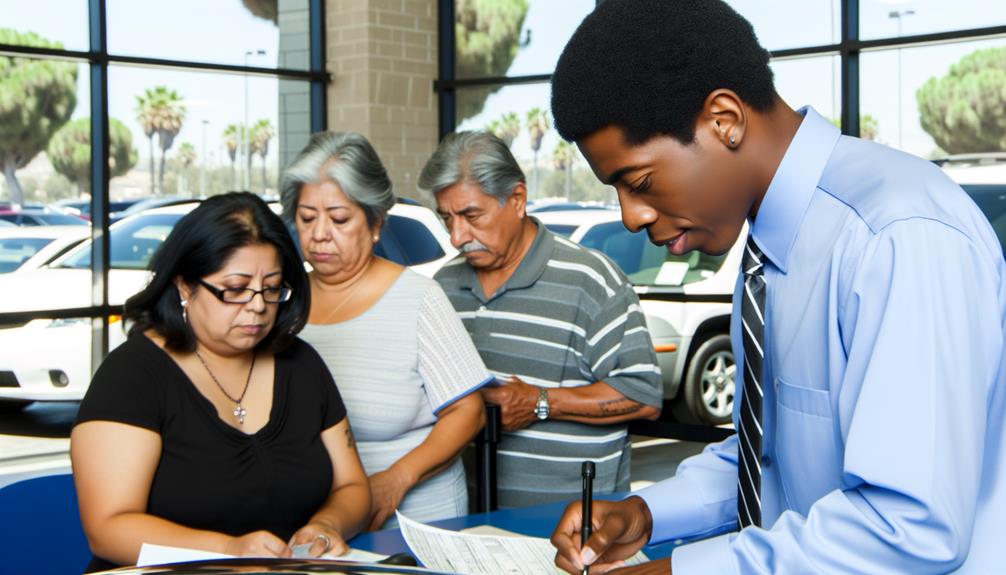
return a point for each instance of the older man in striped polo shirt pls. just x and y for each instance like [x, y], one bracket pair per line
[556, 323]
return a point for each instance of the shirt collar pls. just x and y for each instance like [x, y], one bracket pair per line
[528, 271]
[789, 194]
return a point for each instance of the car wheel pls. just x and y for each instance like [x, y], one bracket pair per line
[710, 382]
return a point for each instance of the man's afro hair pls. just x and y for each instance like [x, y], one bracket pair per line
[647, 66]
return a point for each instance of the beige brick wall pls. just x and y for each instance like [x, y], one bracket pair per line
[382, 55]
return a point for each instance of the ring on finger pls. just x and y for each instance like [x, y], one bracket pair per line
[325, 539]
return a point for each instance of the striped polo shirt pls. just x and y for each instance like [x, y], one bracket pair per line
[567, 317]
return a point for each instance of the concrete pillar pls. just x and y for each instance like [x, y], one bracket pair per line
[382, 55]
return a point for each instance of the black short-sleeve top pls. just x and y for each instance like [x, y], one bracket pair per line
[211, 475]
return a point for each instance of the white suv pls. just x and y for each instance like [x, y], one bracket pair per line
[686, 300]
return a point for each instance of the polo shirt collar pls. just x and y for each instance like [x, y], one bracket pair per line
[528, 271]
[789, 194]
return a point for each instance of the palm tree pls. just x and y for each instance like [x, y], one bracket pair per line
[537, 125]
[145, 116]
[233, 135]
[171, 118]
[563, 158]
[260, 135]
[186, 157]
[509, 128]
[160, 111]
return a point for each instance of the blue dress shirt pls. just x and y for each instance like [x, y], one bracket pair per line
[884, 445]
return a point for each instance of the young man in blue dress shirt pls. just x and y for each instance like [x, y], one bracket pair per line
[882, 413]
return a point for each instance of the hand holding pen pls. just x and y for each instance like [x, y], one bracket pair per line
[618, 529]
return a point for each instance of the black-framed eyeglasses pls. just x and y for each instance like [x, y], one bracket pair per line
[244, 295]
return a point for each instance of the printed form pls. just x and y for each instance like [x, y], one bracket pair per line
[469, 554]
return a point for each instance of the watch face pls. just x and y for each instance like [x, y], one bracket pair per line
[541, 410]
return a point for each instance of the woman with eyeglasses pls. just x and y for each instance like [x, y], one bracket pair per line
[214, 427]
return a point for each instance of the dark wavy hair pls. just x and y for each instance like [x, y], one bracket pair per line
[198, 246]
[647, 66]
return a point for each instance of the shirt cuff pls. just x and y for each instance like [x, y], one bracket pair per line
[676, 510]
[712, 555]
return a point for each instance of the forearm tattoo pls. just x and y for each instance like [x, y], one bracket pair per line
[620, 406]
[612, 407]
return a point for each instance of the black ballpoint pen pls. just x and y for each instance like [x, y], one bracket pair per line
[587, 471]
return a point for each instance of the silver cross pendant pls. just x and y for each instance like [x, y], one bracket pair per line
[239, 412]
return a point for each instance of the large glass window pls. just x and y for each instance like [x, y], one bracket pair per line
[201, 98]
[786, 24]
[894, 18]
[519, 115]
[240, 32]
[513, 37]
[810, 81]
[938, 100]
[44, 23]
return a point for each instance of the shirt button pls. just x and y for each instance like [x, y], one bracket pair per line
[766, 461]
[482, 308]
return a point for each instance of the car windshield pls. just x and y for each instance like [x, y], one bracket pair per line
[132, 243]
[16, 251]
[646, 264]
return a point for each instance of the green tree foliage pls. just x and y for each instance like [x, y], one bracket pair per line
[965, 110]
[537, 125]
[564, 156]
[868, 126]
[264, 9]
[70, 151]
[37, 98]
[506, 128]
[186, 156]
[160, 111]
[260, 135]
[487, 36]
[233, 136]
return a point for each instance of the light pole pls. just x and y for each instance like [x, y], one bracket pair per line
[900, 16]
[246, 152]
[202, 164]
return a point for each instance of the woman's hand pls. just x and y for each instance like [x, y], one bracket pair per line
[387, 489]
[322, 538]
[257, 544]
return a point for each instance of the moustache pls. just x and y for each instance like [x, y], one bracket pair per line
[474, 246]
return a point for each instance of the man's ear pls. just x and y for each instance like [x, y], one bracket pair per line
[725, 115]
[518, 199]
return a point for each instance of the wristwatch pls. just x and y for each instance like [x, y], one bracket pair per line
[541, 408]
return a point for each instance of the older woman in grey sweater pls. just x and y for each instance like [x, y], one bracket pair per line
[399, 354]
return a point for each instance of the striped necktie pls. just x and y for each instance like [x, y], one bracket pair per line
[750, 433]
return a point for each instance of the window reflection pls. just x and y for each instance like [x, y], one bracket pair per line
[521, 117]
[513, 37]
[246, 32]
[893, 18]
[68, 31]
[786, 24]
[939, 100]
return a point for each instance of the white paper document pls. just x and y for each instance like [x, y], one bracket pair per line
[151, 554]
[470, 554]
